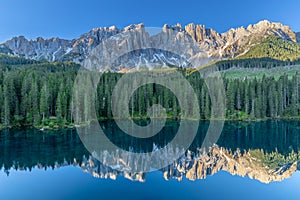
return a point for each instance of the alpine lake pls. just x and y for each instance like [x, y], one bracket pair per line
[250, 160]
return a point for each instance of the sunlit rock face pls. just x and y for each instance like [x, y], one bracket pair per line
[189, 41]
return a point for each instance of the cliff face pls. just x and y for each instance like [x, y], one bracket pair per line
[239, 40]
[38, 49]
[56, 49]
[229, 44]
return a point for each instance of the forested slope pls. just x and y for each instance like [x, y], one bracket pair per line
[275, 48]
[31, 93]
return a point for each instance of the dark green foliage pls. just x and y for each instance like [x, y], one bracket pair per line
[253, 63]
[28, 93]
[42, 94]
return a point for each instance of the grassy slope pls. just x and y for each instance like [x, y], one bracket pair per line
[276, 48]
[269, 57]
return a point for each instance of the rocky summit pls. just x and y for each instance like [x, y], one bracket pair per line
[173, 45]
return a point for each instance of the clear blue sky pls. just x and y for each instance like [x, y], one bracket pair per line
[70, 18]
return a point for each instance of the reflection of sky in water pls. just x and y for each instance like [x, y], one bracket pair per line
[71, 183]
[29, 148]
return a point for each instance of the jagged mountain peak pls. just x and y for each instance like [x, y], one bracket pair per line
[264, 22]
[134, 27]
[234, 42]
[176, 27]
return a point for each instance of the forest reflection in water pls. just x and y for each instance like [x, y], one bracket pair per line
[267, 151]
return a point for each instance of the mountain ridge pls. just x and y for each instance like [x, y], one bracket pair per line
[230, 44]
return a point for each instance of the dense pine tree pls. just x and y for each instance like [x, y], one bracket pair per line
[32, 93]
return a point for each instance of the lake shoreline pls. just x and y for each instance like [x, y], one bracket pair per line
[73, 126]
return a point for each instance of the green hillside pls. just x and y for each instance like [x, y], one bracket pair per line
[275, 48]
[273, 52]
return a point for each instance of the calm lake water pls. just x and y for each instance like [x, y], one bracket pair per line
[251, 160]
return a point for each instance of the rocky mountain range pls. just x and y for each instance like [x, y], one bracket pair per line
[139, 45]
[192, 166]
[197, 165]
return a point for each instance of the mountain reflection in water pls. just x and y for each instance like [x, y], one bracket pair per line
[266, 151]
